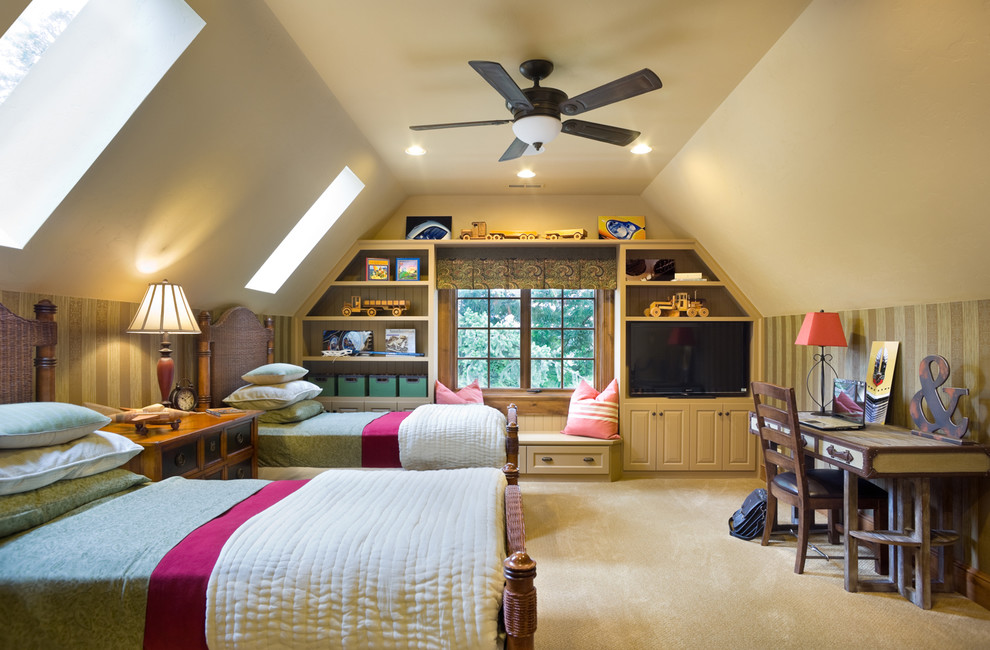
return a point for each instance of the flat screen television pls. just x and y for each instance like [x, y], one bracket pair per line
[689, 358]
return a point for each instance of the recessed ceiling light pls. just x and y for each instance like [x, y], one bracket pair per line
[415, 150]
[641, 149]
[526, 173]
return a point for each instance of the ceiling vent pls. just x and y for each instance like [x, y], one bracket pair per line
[525, 186]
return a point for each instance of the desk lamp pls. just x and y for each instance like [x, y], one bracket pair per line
[823, 329]
[164, 311]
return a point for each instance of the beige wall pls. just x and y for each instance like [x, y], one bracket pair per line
[957, 331]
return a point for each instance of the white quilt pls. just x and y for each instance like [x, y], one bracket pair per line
[361, 559]
[445, 436]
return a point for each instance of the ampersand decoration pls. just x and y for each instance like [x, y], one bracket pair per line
[941, 414]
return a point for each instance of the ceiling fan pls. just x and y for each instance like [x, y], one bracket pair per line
[536, 111]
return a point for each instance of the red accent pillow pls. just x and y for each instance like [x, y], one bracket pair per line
[470, 394]
[593, 414]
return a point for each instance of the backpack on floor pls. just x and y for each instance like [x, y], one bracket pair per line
[747, 522]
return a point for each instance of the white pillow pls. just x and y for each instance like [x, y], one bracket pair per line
[272, 396]
[28, 469]
[39, 424]
[274, 373]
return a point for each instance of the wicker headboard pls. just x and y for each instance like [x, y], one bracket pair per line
[27, 355]
[227, 349]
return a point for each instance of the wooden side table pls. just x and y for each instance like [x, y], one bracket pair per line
[204, 446]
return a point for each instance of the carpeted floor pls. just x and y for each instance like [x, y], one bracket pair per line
[649, 563]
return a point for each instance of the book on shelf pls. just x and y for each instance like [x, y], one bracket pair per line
[689, 277]
[400, 342]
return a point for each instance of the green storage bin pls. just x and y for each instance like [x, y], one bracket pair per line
[328, 384]
[412, 386]
[352, 386]
[381, 385]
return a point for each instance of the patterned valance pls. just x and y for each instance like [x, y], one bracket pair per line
[556, 270]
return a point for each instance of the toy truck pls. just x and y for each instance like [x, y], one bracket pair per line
[478, 230]
[372, 307]
[570, 233]
[512, 234]
[679, 303]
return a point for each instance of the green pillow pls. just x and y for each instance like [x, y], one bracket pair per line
[272, 396]
[274, 373]
[297, 412]
[29, 509]
[42, 424]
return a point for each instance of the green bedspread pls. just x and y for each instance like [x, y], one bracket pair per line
[81, 581]
[327, 440]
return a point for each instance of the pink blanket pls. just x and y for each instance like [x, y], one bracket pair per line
[176, 614]
[380, 440]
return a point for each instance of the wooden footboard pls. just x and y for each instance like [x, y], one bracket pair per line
[519, 596]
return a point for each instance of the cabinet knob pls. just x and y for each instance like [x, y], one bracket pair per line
[180, 460]
[720, 413]
[660, 414]
[547, 459]
[589, 459]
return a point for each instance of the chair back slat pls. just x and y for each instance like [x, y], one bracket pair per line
[780, 431]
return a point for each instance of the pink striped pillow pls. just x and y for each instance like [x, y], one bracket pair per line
[593, 414]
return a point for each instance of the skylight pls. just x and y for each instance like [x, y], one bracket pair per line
[73, 72]
[304, 235]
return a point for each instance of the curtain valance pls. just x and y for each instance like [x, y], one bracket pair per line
[546, 270]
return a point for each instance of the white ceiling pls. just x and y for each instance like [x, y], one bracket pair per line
[394, 64]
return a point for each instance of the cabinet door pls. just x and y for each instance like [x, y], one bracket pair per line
[674, 442]
[639, 436]
[740, 444]
[706, 439]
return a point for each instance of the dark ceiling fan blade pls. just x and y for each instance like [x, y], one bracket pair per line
[601, 132]
[515, 150]
[631, 85]
[452, 125]
[500, 80]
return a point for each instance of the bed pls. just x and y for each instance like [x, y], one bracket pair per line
[351, 558]
[430, 437]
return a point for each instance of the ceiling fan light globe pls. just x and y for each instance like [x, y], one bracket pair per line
[536, 129]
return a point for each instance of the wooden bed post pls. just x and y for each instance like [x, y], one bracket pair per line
[270, 326]
[519, 596]
[44, 363]
[203, 361]
[511, 468]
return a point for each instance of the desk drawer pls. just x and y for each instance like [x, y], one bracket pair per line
[238, 437]
[841, 455]
[566, 459]
[179, 460]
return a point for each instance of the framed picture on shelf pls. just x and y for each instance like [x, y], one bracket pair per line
[621, 227]
[400, 341]
[428, 227]
[407, 268]
[376, 268]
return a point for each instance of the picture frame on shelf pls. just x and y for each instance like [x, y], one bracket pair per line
[428, 227]
[406, 268]
[622, 227]
[376, 269]
[400, 342]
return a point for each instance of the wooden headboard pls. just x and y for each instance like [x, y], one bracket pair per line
[27, 355]
[227, 349]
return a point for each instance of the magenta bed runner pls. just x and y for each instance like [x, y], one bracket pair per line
[380, 440]
[176, 614]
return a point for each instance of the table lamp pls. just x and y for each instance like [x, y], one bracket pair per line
[164, 311]
[823, 329]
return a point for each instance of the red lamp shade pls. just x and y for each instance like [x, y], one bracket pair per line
[821, 328]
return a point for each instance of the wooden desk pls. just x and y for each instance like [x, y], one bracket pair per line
[881, 451]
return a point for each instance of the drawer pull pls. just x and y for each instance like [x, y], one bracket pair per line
[213, 445]
[547, 459]
[843, 455]
[589, 459]
[241, 472]
[180, 460]
[239, 437]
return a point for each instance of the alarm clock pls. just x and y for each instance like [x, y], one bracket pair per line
[183, 396]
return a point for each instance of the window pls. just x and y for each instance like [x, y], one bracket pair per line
[526, 338]
[72, 74]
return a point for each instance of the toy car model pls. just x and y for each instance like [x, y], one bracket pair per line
[571, 233]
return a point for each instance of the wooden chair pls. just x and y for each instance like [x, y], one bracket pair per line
[790, 480]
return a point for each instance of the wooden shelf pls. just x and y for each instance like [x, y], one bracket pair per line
[901, 538]
[341, 317]
[375, 358]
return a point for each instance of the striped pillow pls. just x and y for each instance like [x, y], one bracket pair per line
[593, 414]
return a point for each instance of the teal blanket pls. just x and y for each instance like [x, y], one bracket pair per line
[81, 581]
[327, 440]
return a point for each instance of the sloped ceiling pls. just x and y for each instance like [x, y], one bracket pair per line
[829, 154]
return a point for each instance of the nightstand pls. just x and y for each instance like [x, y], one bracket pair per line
[204, 446]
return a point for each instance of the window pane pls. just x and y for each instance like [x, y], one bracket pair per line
[472, 313]
[544, 373]
[505, 344]
[504, 313]
[472, 343]
[579, 344]
[505, 373]
[470, 369]
[546, 293]
[472, 293]
[579, 313]
[545, 313]
[545, 344]
[505, 293]
[575, 371]
[579, 293]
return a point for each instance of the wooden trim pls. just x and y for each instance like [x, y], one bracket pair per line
[973, 584]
